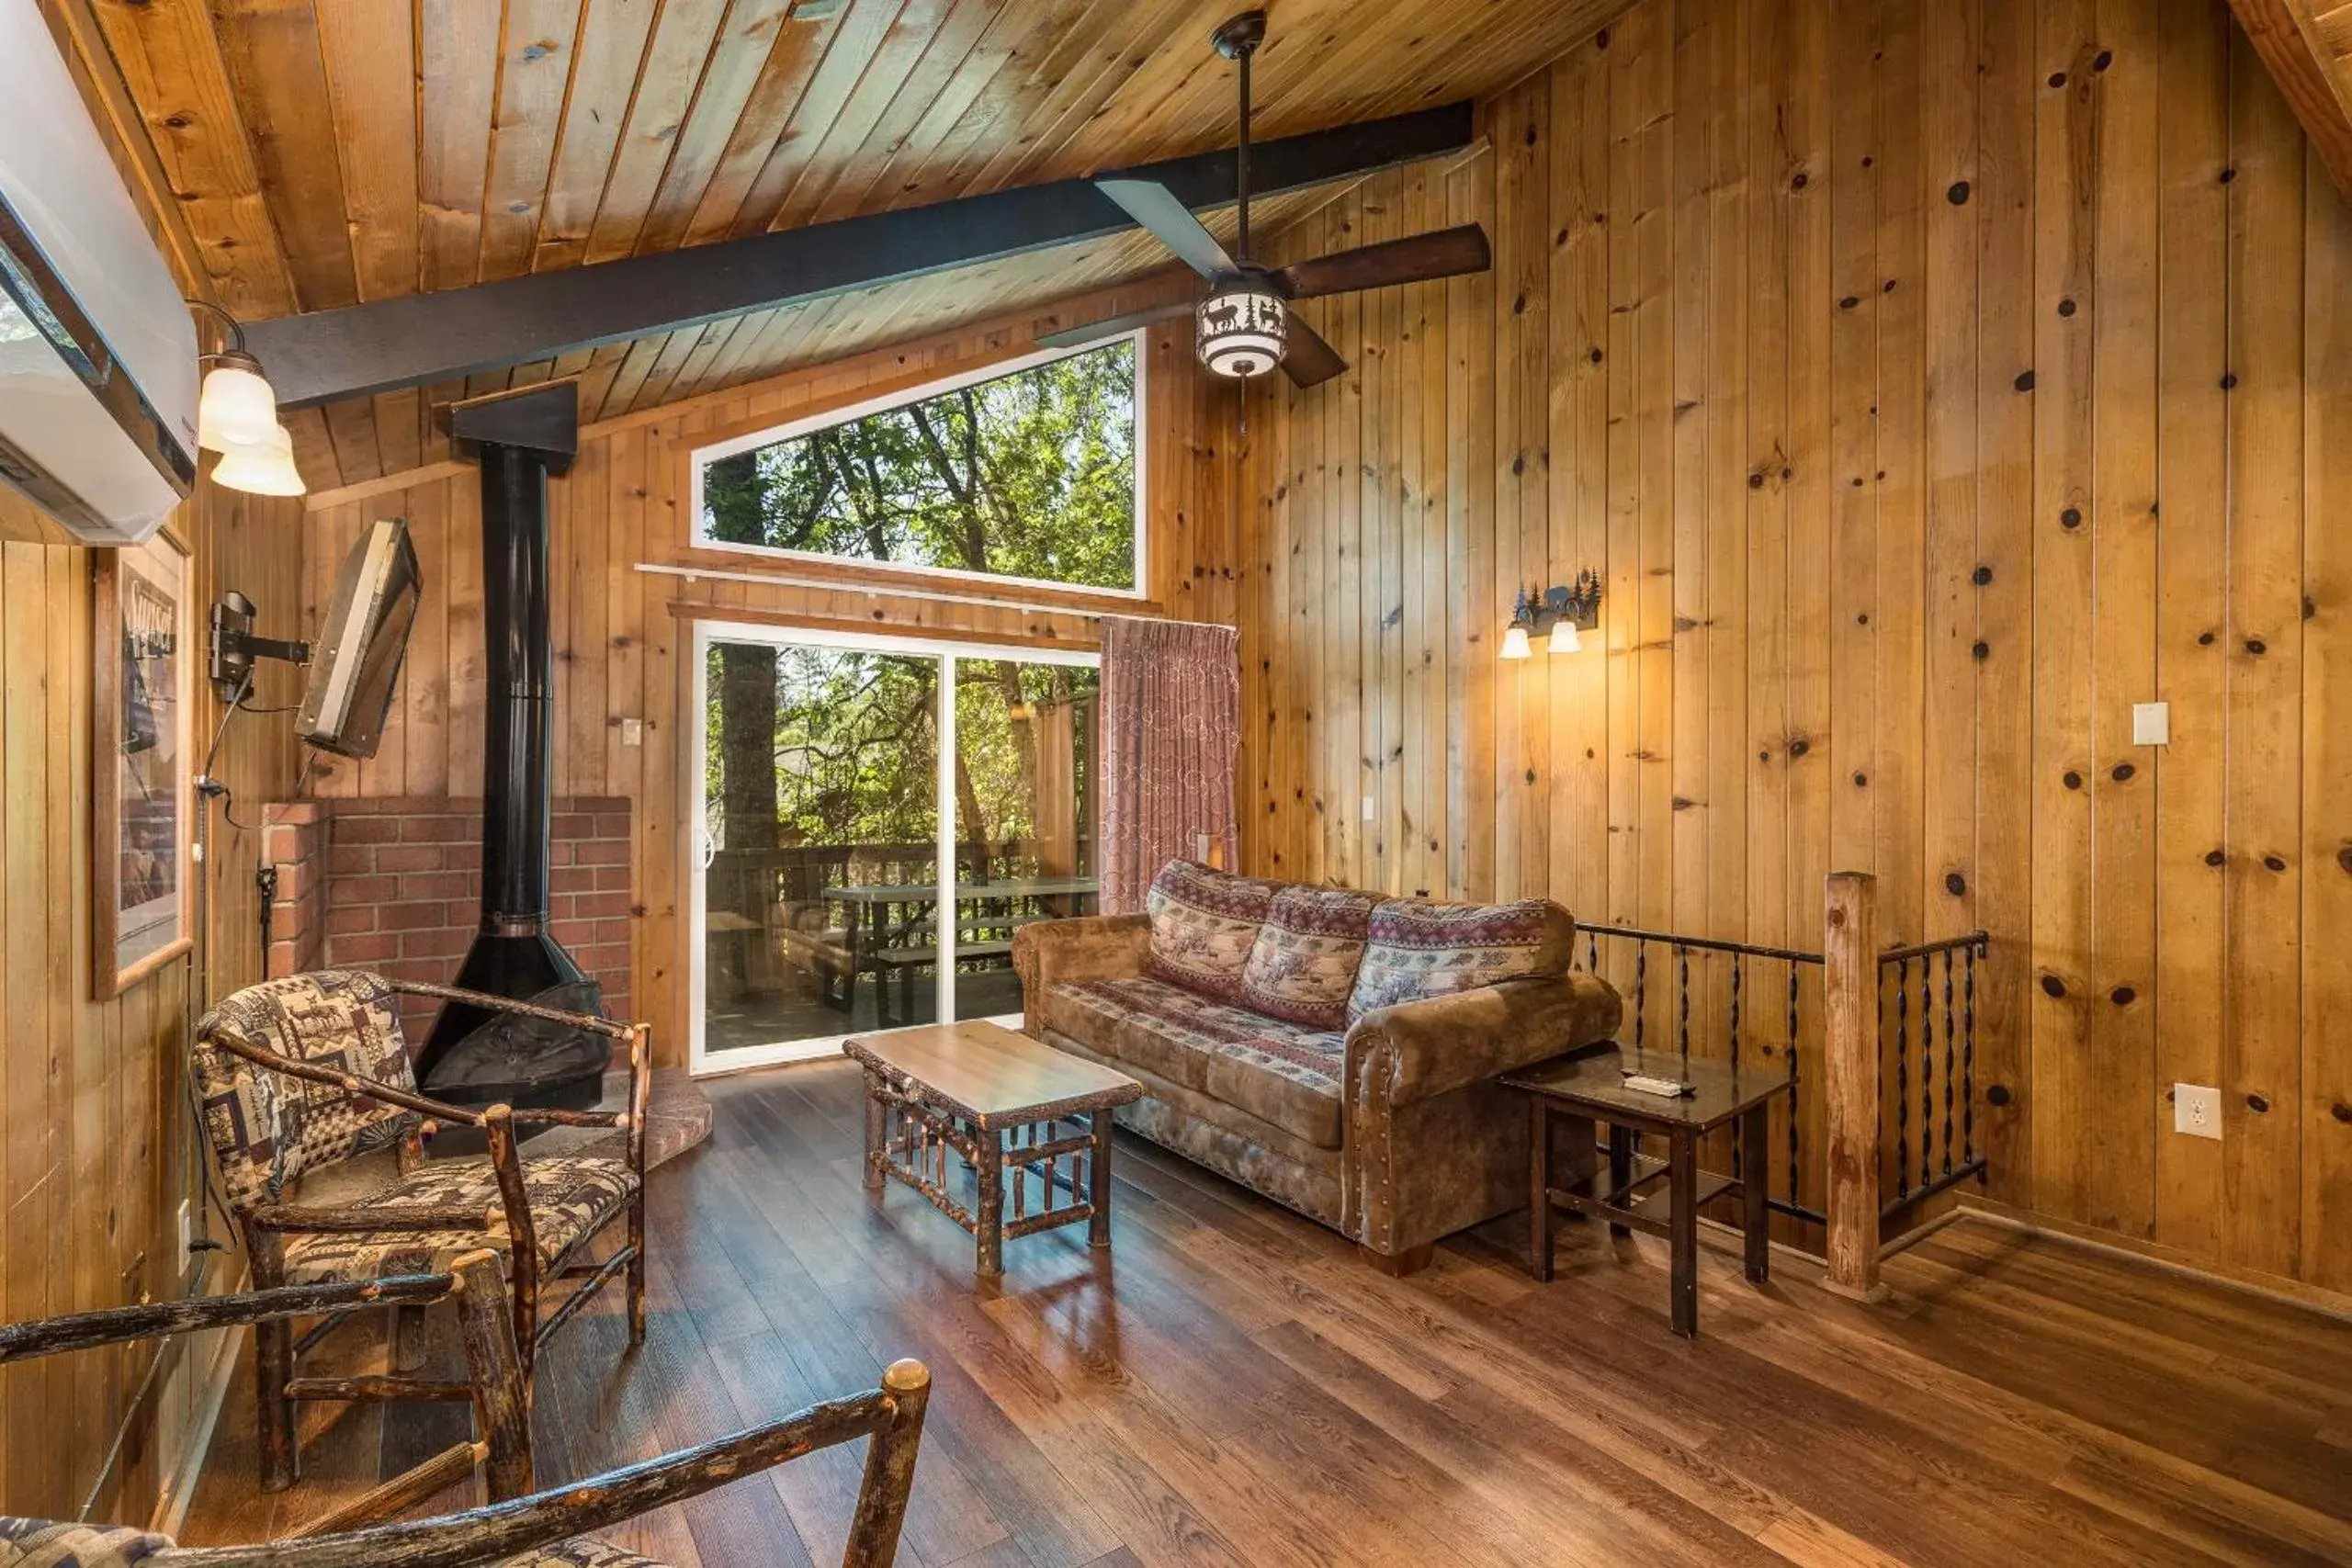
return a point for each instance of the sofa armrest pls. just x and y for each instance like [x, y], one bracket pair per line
[1418, 1050]
[1091, 947]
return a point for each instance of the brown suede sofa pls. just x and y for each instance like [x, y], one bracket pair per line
[1331, 1049]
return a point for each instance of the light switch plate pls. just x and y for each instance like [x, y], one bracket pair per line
[2151, 723]
[2197, 1111]
[1370, 809]
[632, 732]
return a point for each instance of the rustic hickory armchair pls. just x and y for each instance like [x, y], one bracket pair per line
[500, 1448]
[515, 1530]
[310, 1070]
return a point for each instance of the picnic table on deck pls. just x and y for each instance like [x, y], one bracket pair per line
[874, 946]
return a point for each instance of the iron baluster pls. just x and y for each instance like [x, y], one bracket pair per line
[1734, 1056]
[1902, 1078]
[1794, 1187]
[1927, 1069]
[1684, 1023]
[1641, 995]
[1968, 1057]
[1947, 1053]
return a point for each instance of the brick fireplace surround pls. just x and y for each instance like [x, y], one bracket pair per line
[395, 887]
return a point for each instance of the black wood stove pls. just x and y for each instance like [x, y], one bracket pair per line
[473, 1056]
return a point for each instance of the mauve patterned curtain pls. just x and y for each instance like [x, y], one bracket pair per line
[1172, 720]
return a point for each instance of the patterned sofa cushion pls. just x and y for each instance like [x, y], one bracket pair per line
[1302, 965]
[267, 1128]
[1203, 923]
[1419, 949]
[1286, 1073]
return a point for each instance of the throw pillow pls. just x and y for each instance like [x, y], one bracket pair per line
[1304, 964]
[1419, 950]
[1203, 923]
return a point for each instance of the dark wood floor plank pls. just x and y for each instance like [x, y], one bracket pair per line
[1228, 1386]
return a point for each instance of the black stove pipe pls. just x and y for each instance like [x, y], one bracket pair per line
[519, 438]
[516, 804]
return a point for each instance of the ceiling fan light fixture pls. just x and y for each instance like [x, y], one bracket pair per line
[1240, 329]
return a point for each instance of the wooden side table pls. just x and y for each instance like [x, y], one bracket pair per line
[1629, 1194]
[1000, 1104]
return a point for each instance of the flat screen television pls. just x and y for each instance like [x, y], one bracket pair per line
[355, 660]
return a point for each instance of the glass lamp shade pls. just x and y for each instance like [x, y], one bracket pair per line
[1564, 637]
[1515, 641]
[261, 467]
[237, 408]
[1240, 329]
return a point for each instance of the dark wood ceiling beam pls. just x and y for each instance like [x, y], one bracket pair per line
[2305, 80]
[417, 339]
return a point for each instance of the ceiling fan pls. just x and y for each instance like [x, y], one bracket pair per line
[1245, 325]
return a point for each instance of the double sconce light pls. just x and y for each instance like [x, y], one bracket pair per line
[236, 415]
[1566, 611]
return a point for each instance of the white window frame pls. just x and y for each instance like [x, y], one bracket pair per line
[695, 832]
[701, 458]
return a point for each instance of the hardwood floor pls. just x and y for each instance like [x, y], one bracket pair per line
[1229, 1385]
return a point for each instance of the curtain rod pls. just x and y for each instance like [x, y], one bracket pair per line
[1143, 608]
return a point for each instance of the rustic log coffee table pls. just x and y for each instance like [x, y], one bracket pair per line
[1000, 1104]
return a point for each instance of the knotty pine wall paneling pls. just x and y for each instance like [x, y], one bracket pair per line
[620, 634]
[97, 1141]
[1928, 385]
[94, 1142]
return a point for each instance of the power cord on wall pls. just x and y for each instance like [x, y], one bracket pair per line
[209, 1200]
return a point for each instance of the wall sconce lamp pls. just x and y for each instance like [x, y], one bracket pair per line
[1566, 611]
[236, 415]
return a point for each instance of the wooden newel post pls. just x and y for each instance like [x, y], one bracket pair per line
[1850, 1080]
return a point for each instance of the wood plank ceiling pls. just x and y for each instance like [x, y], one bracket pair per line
[327, 154]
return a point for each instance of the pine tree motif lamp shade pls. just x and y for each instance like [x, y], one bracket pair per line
[1568, 613]
[1240, 329]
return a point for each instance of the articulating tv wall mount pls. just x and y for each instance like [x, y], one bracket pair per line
[234, 646]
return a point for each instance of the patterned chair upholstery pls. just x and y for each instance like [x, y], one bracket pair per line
[305, 1072]
[267, 1129]
[46, 1543]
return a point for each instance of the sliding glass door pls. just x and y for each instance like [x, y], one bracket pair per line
[878, 816]
[1024, 815]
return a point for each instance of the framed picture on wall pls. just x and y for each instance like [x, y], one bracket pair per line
[142, 794]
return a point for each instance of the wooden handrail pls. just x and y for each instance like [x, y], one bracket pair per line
[891, 1415]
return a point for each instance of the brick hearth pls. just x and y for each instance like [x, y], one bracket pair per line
[395, 886]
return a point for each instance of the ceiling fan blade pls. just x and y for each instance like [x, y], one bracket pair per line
[1155, 206]
[1110, 327]
[1448, 252]
[1308, 360]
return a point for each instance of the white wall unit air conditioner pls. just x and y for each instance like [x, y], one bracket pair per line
[98, 376]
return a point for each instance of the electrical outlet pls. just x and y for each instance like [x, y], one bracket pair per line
[2151, 723]
[632, 732]
[2197, 1110]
